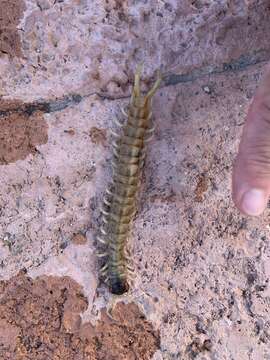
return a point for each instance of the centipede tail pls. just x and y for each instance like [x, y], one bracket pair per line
[119, 205]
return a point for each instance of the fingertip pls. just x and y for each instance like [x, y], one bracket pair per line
[251, 170]
[249, 193]
[253, 202]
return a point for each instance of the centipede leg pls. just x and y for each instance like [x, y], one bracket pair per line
[104, 212]
[106, 202]
[150, 134]
[115, 145]
[130, 268]
[103, 231]
[101, 255]
[108, 191]
[104, 269]
[113, 133]
[149, 138]
[102, 241]
[151, 130]
[124, 112]
[117, 122]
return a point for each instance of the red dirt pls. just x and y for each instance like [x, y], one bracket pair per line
[11, 11]
[98, 136]
[40, 319]
[20, 132]
[201, 188]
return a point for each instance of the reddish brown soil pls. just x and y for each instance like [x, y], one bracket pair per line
[11, 12]
[79, 239]
[201, 188]
[20, 131]
[40, 319]
[98, 136]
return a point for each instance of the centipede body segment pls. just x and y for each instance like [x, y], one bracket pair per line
[119, 205]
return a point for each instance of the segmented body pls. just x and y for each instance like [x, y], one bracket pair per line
[119, 205]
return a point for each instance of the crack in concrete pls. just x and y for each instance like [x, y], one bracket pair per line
[44, 106]
[240, 64]
[50, 106]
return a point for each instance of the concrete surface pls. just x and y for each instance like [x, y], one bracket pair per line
[65, 69]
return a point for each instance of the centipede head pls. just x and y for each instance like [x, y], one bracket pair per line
[136, 95]
[119, 287]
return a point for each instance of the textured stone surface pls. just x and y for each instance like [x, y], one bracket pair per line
[202, 268]
[208, 264]
[89, 46]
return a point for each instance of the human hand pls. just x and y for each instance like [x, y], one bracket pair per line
[251, 172]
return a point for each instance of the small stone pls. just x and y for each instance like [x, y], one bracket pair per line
[70, 131]
[207, 89]
[98, 136]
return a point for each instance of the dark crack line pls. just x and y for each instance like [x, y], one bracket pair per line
[240, 64]
[50, 106]
[45, 106]
[235, 66]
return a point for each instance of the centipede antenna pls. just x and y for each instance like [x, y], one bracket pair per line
[136, 89]
[152, 91]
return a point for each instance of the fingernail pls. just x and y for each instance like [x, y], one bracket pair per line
[254, 202]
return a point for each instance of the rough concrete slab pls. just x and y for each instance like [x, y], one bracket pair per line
[92, 46]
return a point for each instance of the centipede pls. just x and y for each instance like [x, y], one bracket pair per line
[120, 201]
